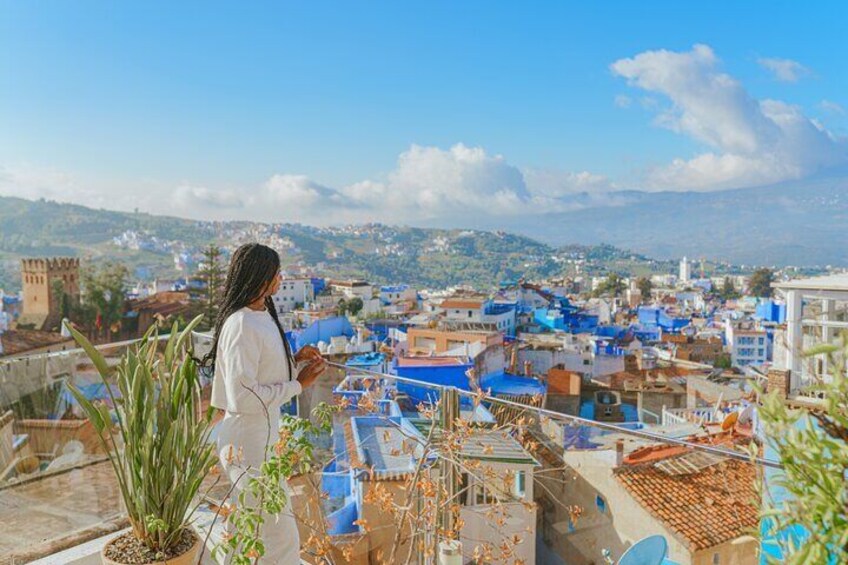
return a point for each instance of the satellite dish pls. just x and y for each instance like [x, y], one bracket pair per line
[647, 551]
[747, 414]
[730, 421]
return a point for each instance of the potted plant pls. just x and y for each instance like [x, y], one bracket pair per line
[158, 445]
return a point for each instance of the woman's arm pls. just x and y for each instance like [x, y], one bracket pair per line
[240, 349]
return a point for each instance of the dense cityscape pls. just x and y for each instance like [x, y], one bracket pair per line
[677, 354]
[423, 283]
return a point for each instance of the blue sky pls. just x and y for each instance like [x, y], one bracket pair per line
[354, 111]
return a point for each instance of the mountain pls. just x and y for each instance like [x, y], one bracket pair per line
[148, 245]
[793, 223]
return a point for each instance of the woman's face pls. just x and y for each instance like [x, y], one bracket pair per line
[274, 285]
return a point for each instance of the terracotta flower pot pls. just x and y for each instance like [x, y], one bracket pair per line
[187, 558]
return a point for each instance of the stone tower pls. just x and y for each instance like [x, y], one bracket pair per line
[44, 283]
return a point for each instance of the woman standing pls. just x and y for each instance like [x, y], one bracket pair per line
[255, 374]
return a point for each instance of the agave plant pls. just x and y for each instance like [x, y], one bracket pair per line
[158, 443]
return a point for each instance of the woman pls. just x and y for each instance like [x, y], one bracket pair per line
[255, 374]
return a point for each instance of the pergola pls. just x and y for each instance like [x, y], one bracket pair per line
[831, 292]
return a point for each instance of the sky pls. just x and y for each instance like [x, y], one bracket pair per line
[414, 113]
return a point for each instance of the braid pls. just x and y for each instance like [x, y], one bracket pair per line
[269, 306]
[252, 268]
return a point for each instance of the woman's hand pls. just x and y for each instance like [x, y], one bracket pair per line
[307, 353]
[312, 366]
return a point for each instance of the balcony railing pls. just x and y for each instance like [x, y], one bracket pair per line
[580, 491]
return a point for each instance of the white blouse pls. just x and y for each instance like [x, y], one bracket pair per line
[251, 367]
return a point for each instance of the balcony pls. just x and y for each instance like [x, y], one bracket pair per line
[525, 484]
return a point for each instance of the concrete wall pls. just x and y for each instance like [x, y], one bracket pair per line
[544, 360]
[623, 522]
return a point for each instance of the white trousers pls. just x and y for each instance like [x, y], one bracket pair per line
[242, 447]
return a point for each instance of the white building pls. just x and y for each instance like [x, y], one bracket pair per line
[473, 311]
[747, 345]
[685, 271]
[294, 294]
[353, 289]
[397, 299]
[816, 311]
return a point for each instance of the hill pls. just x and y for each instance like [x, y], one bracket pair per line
[424, 257]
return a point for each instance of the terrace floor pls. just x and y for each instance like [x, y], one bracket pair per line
[73, 505]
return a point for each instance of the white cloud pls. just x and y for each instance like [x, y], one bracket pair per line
[427, 185]
[622, 101]
[28, 181]
[784, 70]
[753, 141]
[832, 107]
[430, 183]
[188, 197]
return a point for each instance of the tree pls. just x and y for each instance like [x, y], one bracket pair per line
[728, 290]
[812, 445]
[212, 273]
[63, 300]
[760, 283]
[354, 306]
[645, 287]
[614, 285]
[103, 295]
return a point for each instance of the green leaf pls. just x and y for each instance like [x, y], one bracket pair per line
[96, 357]
[94, 415]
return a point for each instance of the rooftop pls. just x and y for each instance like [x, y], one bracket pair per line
[16, 342]
[832, 282]
[706, 508]
[462, 303]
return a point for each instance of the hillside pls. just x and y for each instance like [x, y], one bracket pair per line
[424, 257]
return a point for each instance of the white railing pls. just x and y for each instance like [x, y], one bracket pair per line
[704, 415]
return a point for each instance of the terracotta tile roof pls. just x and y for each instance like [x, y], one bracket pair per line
[460, 303]
[705, 508]
[18, 341]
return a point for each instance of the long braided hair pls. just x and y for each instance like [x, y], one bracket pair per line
[252, 268]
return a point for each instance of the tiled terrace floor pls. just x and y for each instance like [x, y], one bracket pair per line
[39, 516]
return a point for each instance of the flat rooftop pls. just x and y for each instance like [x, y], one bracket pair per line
[830, 282]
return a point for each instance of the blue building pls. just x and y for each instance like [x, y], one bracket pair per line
[771, 311]
[322, 330]
[651, 316]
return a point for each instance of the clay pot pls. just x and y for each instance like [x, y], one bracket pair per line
[187, 558]
[27, 465]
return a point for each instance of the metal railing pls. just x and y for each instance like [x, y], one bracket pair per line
[570, 420]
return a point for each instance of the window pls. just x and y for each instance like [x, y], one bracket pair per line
[482, 495]
[760, 352]
[463, 490]
[469, 313]
[601, 504]
[520, 485]
[716, 559]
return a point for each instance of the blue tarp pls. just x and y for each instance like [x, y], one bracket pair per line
[502, 383]
[441, 375]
